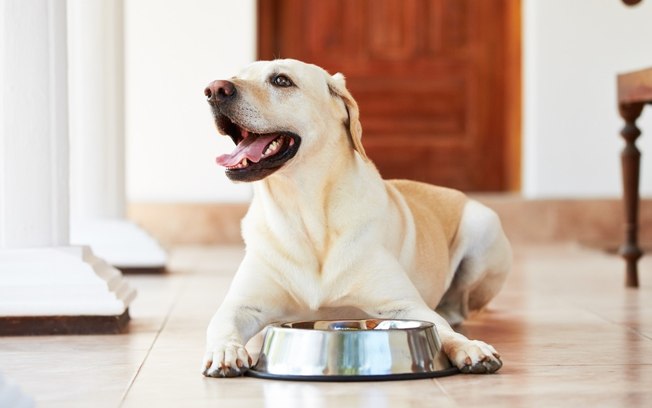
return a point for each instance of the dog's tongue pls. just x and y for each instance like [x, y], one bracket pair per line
[252, 148]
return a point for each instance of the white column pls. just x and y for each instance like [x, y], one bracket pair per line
[34, 140]
[40, 273]
[97, 124]
[95, 57]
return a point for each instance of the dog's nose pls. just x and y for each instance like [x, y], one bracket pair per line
[219, 90]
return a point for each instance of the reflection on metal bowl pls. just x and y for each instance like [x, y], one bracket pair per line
[352, 350]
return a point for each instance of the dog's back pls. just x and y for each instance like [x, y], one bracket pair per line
[433, 205]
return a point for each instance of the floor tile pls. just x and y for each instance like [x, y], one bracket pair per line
[569, 332]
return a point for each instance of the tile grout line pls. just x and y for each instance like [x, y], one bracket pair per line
[613, 322]
[149, 350]
[443, 390]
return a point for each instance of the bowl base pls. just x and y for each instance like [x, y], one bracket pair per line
[354, 378]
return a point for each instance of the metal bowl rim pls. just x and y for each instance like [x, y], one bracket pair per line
[422, 325]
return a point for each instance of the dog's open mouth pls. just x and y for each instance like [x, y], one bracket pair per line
[257, 155]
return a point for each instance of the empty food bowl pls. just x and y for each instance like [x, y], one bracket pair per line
[352, 350]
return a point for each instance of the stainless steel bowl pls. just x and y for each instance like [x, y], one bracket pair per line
[352, 350]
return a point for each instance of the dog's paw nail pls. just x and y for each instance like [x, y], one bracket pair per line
[475, 357]
[224, 372]
[229, 360]
[485, 366]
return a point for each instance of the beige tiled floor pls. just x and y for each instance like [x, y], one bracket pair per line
[569, 333]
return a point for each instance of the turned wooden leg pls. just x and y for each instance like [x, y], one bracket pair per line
[630, 161]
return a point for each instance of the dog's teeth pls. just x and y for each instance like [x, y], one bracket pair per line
[271, 148]
[241, 165]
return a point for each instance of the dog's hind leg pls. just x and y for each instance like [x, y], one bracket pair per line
[481, 260]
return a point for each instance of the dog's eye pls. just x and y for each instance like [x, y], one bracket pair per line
[282, 81]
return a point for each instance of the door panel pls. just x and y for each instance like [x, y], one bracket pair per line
[428, 75]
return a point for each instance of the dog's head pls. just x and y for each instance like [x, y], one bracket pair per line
[278, 112]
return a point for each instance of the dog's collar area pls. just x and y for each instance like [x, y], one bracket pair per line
[256, 155]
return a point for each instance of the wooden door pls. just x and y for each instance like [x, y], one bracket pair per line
[437, 81]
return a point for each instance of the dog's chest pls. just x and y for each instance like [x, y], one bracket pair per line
[311, 248]
[311, 268]
[320, 278]
[312, 292]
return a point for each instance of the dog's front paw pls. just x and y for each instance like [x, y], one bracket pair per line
[474, 357]
[229, 360]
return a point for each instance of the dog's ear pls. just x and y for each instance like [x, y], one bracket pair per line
[337, 88]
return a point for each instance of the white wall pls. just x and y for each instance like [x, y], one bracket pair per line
[173, 49]
[572, 53]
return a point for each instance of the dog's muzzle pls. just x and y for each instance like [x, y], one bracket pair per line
[258, 153]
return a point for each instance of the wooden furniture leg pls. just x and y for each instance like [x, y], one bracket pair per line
[634, 91]
[630, 161]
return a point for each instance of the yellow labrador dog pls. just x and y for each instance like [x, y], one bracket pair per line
[327, 237]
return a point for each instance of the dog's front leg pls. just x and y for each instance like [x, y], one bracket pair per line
[229, 330]
[470, 356]
[250, 305]
[398, 298]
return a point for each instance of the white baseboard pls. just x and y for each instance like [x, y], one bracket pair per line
[66, 281]
[120, 243]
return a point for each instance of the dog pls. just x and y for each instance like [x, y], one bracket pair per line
[326, 237]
